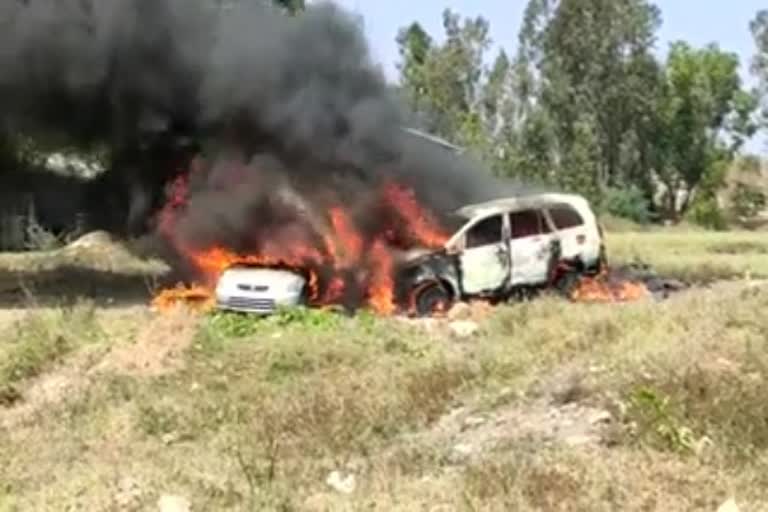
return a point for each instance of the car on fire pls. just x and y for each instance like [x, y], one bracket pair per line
[499, 250]
[506, 248]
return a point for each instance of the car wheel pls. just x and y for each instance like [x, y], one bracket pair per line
[567, 283]
[431, 297]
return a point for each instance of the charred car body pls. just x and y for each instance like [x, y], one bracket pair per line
[499, 249]
[506, 248]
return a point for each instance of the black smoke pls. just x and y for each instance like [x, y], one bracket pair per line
[270, 100]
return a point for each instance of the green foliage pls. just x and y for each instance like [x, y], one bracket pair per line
[657, 421]
[444, 83]
[222, 325]
[226, 324]
[306, 317]
[759, 29]
[586, 105]
[41, 340]
[708, 214]
[700, 124]
[747, 201]
[627, 203]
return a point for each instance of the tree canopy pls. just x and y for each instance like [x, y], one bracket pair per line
[585, 104]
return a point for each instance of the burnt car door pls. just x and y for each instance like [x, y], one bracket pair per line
[531, 245]
[485, 261]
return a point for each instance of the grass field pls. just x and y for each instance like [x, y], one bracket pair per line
[547, 406]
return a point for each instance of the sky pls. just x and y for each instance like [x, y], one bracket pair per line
[698, 22]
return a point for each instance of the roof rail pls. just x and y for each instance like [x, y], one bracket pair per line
[434, 139]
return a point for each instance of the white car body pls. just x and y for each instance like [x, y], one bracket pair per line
[259, 290]
[508, 243]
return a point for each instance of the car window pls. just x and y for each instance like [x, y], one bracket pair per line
[485, 232]
[565, 216]
[528, 223]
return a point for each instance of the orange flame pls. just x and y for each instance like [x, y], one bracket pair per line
[601, 288]
[350, 240]
[382, 284]
[198, 298]
[418, 223]
[344, 257]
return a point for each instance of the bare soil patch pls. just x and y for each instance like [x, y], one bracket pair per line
[158, 348]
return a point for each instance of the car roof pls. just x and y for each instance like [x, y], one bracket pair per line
[517, 203]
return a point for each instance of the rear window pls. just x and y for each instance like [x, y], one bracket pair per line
[565, 216]
[527, 223]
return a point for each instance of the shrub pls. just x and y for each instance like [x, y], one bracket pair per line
[629, 203]
[747, 201]
[707, 213]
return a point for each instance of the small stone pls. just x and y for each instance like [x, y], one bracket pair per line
[464, 328]
[578, 440]
[473, 421]
[702, 445]
[729, 506]
[341, 483]
[169, 438]
[600, 417]
[169, 503]
[463, 449]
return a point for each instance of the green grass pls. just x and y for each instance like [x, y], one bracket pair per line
[263, 409]
[696, 256]
[38, 341]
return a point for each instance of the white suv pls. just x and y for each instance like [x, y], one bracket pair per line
[507, 246]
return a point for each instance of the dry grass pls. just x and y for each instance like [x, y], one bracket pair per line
[260, 412]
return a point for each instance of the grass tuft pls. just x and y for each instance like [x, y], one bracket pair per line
[41, 340]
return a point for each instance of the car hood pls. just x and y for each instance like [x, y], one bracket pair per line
[414, 254]
[262, 276]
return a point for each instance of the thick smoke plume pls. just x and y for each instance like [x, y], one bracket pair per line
[272, 103]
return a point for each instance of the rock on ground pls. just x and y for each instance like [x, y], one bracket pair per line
[169, 503]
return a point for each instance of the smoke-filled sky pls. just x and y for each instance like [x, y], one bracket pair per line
[280, 100]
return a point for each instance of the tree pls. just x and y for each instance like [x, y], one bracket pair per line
[703, 118]
[445, 82]
[414, 45]
[759, 28]
[588, 63]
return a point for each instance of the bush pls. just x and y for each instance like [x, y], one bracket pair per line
[629, 203]
[706, 213]
[747, 201]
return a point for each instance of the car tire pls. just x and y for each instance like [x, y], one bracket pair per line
[431, 297]
[567, 283]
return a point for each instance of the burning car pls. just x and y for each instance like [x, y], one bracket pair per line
[392, 252]
[505, 247]
[499, 249]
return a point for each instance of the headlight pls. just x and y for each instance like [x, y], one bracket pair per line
[296, 286]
